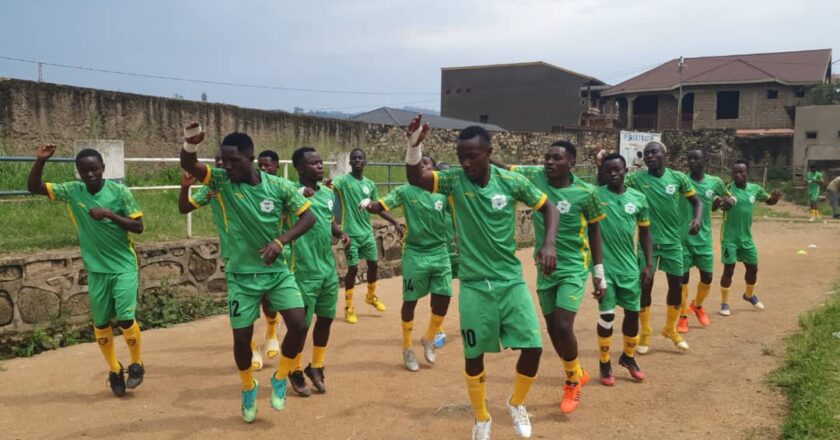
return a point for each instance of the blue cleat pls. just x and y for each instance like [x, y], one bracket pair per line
[278, 393]
[440, 339]
[754, 301]
[724, 309]
[249, 403]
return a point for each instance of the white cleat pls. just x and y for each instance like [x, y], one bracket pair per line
[256, 360]
[272, 348]
[428, 350]
[521, 422]
[481, 430]
[410, 360]
[642, 349]
[724, 310]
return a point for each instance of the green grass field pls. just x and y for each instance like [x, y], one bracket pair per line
[810, 376]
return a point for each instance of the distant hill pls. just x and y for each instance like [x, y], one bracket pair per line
[344, 115]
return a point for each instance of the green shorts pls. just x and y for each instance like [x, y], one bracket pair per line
[813, 194]
[424, 273]
[363, 246]
[666, 257]
[245, 292]
[320, 295]
[624, 291]
[701, 257]
[496, 310]
[743, 252]
[453, 264]
[112, 295]
[564, 292]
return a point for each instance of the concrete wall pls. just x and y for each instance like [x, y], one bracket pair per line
[755, 110]
[825, 121]
[523, 98]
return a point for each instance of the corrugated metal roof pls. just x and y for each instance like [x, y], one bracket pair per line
[531, 63]
[792, 68]
[401, 118]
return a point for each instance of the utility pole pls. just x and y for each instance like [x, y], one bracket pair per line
[680, 67]
[40, 72]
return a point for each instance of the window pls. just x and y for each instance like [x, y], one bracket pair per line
[772, 94]
[483, 118]
[800, 92]
[448, 91]
[467, 91]
[810, 135]
[458, 90]
[727, 105]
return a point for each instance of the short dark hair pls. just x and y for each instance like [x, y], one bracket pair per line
[570, 148]
[741, 162]
[443, 166]
[434, 164]
[89, 152]
[299, 154]
[359, 150]
[269, 154]
[473, 131]
[241, 141]
[613, 156]
[812, 166]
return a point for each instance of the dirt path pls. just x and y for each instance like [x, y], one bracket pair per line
[191, 391]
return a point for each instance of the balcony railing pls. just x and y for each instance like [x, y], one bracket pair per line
[644, 122]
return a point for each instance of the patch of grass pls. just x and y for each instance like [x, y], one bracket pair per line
[810, 376]
[58, 333]
[166, 307]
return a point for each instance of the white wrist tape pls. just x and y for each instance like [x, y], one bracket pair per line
[598, 272]
[413, 154]
[188, 133]
[190, 148]
[301, 190]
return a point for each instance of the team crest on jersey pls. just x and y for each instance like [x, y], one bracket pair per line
[366, 190]
[671, 189]
[498, 201]
[709, 193]
[267, 205]
[752, 199]
[563, 206]
[630, 208]
[330, 204]
[438, 205]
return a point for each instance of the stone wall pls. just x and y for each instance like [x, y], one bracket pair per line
[36, 289]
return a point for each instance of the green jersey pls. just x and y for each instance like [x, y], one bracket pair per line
[312, 253]
[253, 216]
[737, 222]
[428, 225]
[814, 179]
[577, 206]
[201, 197]
[663, 196]
[355, 222]
[105, 247]
[485, 220]
[708, 189]
[624, 212]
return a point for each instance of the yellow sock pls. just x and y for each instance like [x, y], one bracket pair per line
[573, 371]
[684, 300]
[407, 326]
[371, 289]
[604, 349]
[283, 367]
[749, 290]
[348, 297]
[271, 326]
[254, 345]
[435, 322]
[132, 339]
[296, 365]
[247, 378]
[630, 343]
[703, 290]
[724, 295]
[477, 389]
[644, 321]
[671, 315]
[105, 340]
[318, 354]
[521, 385]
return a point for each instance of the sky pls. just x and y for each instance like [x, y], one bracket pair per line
[390, 51]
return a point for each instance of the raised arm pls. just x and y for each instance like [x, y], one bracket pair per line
[193, 136]
[35, 182]
[415, 135]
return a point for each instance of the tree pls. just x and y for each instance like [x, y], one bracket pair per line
[203, 97]
[298, 110]
[178, 96]
[824, 94]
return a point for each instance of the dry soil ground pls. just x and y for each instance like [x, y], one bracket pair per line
[717, 390]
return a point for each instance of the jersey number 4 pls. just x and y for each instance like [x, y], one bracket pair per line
[408, 286]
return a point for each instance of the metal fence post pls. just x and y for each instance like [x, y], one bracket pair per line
[189, 217]
[285, 170]
[388, 184]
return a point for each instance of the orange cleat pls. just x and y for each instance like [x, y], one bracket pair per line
[682, 324]
[701, 315]
[571, 394]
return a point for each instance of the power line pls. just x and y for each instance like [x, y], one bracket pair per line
[210, 82]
